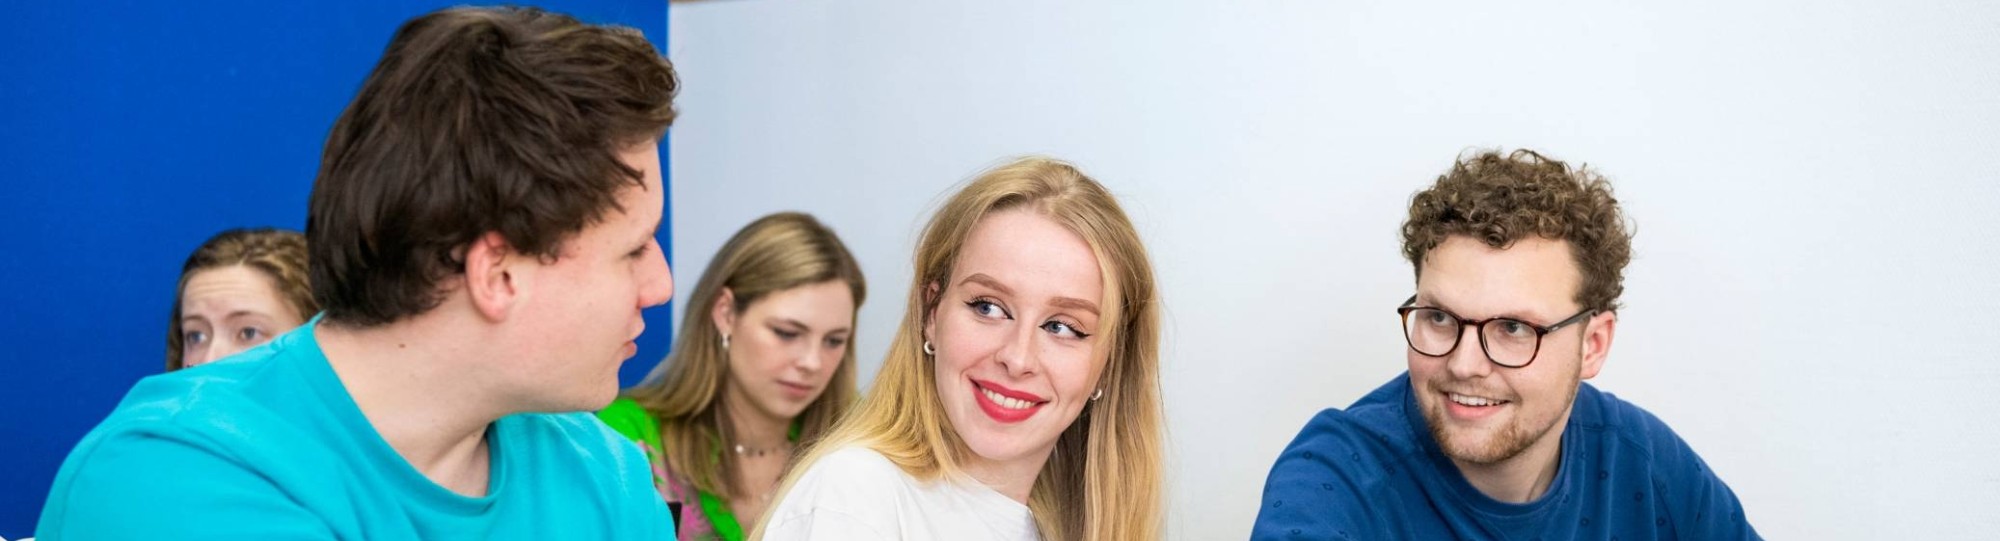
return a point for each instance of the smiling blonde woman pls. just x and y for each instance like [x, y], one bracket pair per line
[1020, 398]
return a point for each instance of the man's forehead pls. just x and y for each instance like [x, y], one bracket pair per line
[1526, 278]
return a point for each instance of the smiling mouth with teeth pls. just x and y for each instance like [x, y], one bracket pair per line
[1474, 401]
[1009, 403]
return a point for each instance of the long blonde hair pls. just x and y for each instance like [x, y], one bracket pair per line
[1103, 480]
[775, 253]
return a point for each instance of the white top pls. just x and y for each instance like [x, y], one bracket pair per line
[856, 493]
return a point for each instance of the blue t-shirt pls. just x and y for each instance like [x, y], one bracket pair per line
[268, 445]
[1373, 472]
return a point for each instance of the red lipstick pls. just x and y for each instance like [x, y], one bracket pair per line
[1001, 412]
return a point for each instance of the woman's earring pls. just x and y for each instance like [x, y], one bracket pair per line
[725, 342]
[1096, 395]
[928, 350]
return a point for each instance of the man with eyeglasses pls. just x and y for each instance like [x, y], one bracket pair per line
[1492, 434]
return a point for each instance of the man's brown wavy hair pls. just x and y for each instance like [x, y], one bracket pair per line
[477, 120]
[1502, 198]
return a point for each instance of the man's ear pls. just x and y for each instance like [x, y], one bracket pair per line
[1597, 335]
[724, 311]
[492, 281]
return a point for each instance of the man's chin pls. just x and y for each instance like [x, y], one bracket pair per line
[1468, 445]
[1471, 451]
[1489, 446]
[597, 398]
[602, 396]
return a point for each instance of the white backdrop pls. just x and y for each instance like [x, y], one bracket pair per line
[1813, 183]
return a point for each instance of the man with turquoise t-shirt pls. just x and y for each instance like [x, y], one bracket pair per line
[482, 239]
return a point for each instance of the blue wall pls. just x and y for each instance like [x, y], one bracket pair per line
[130, 132]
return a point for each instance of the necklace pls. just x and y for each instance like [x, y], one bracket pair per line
[744, 450]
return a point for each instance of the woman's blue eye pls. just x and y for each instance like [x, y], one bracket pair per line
[194, 337]
[1059, 328]
[836, 343]
[785, 334]
[987, 309]
[249, 334]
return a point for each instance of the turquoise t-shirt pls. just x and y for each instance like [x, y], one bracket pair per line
[268, 445]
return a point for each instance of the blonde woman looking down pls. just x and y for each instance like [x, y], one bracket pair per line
[764, 364]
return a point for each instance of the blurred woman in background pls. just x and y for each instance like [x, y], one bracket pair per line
[239, 289]
[763, 365]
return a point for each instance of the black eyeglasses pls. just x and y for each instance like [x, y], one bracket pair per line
[1507, 342]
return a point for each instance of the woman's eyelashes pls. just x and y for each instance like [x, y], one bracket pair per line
[1059, 328]
[786, 334]
[790, 335]
[992, 310]
[989, 309]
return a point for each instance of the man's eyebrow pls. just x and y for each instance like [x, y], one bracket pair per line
[640, 243]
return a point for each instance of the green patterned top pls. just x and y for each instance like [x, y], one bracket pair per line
[710, 517]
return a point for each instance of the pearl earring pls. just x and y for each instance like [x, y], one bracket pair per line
[928, 350]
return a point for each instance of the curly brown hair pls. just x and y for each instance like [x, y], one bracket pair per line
[1501, 198]
[279, 254]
